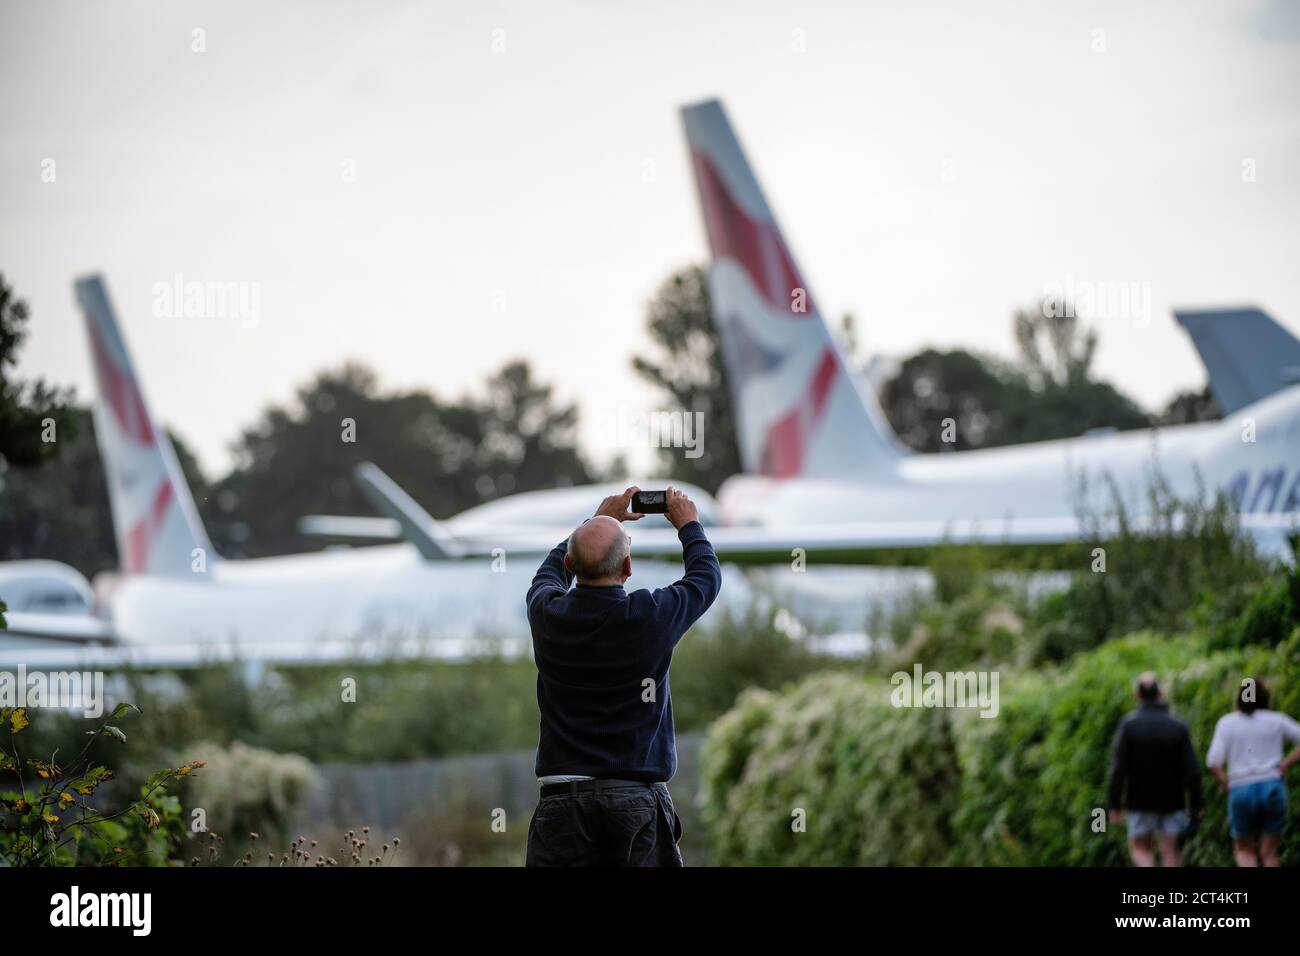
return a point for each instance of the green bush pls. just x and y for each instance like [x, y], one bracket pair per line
[1271, 614]
[247, 790]
[983, 627]
[1189, 560]
[712, 666]
[1034, 778]
[58, 814]
[875, 785]
[885, 785]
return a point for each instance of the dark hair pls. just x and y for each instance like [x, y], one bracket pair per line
[1253, 695]
[1149, 691]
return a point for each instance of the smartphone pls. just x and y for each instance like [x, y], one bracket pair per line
[650, 502]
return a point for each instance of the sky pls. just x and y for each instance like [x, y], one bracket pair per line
[436, 188]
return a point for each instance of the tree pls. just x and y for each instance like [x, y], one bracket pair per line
[932, 386]
[58, 508]
[690, 370]
[33, 417]
[1055, 350]
[1188, 407]
[448, 456]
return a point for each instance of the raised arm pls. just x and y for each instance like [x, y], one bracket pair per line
[552, 577]
[688, 598]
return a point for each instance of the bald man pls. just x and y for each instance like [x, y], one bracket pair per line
[1154, 772]
[606, 748]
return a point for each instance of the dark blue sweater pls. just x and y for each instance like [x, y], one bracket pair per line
[595, 647]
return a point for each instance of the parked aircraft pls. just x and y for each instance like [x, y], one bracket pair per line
[824, 479]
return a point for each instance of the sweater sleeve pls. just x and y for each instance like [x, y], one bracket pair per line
[552, 578]
[683, 602]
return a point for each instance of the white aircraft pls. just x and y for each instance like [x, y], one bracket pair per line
[823, 467]
[824, 478]
[449, 590]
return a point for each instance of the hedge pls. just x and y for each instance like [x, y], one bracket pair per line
[884, 785]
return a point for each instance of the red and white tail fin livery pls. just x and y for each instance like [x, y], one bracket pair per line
[157, 526]
[801, 410]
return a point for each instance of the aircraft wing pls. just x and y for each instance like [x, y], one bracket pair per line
[350, 526]
[850, 542]
[27, 628]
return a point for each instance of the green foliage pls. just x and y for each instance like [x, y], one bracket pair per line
[713, 665]
[1034, 778]
[870, 784]
[249, 790]
[1046, 392]
[58, 509]
[983, 627]
[1028, 786]
[1271, 614]
[1190, 564]
[448, 455]
[25, 407]
[408, 710]
[885, 785]
[59, 817]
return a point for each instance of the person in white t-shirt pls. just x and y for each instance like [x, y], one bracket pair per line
[1249, 742]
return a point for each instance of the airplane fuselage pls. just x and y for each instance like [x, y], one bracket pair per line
[1254, 457]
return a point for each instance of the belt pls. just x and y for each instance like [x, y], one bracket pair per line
[583, 786]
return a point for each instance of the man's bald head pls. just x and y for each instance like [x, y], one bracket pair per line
[1148, 687]
[597, 549]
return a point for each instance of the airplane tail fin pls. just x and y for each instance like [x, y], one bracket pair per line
[156, 524]
[431, 539]
[1247, 355]
[800, 408]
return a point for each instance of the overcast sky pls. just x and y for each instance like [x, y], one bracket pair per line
[933, 165]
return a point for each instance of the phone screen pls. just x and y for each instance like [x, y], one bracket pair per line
[650, 502]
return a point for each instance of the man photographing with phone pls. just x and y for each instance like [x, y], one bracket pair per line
[606, 747]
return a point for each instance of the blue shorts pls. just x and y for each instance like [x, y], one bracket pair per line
[1255, 808]
[1145, 822]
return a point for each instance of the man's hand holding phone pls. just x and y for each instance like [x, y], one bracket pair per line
[634, 504]
[618, 507]
[681, 510]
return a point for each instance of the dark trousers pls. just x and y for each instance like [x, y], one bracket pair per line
[615, 826]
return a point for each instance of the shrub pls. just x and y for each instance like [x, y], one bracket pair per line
[984, 627]
[59, 814]
[248, 790]
[1271, 614]
[869, 783]
[1190, 555]
[884, 785]
[713, 665]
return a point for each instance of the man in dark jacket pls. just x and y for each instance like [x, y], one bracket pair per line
[1153, 771]
[606, 747]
